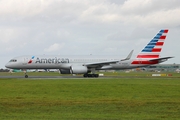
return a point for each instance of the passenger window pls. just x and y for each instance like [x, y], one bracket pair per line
[13, 60]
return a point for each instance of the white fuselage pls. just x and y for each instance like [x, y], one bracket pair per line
[65, 62]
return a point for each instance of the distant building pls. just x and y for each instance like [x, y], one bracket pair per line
[4, 70]
[163, 67]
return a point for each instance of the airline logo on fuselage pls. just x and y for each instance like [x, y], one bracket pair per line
[31, 60]
[52, 60]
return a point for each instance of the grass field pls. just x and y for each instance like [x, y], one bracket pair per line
[93, 99]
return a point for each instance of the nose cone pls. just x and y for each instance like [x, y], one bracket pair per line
[7, 65]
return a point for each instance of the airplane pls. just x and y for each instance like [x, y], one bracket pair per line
[89, 64]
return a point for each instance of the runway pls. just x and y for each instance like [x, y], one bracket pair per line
[10, 76]
[73, 77]
[45, 77]
[60, 77]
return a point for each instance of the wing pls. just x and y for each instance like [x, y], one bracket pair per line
[100, 64]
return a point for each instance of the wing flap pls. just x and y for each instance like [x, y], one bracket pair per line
[100, 64]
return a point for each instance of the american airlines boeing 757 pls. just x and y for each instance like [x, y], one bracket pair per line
[87, 65]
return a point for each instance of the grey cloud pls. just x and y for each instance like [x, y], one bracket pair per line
[85, 27]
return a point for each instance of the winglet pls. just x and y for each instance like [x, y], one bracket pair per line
[129, 56]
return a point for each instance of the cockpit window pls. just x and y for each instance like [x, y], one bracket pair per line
[13, 60]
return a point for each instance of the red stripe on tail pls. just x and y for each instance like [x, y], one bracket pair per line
[159, 43]
[162, 37]
[165, 31]
[156, 50]
[148, 56]
[145, 62]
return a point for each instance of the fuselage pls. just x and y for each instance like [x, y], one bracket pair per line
[65, 62]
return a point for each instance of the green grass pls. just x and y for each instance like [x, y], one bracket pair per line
[92, 99]
[116, 74]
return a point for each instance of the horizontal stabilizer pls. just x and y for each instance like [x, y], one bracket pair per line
[163, 58]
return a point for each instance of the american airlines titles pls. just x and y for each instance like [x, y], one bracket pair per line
[52, 60]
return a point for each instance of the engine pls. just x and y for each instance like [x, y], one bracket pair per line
[78, 69]
[75, 70]
[64, 71]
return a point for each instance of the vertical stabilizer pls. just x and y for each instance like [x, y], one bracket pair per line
[154, 47]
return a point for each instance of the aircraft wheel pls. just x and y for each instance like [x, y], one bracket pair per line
[89, 75]
[96, 75]
[26, 76]
[85, 75]
[93, 75]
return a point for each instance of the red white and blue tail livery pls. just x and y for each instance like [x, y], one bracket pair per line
[149, 55]
[154, 47]
[151, 52]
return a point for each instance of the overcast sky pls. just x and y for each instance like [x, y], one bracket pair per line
[83, 27]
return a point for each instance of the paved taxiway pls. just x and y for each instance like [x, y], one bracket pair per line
[61, 77]
[71, 77]
[42, 77]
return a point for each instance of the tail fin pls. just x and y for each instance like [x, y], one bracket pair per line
[154, 47]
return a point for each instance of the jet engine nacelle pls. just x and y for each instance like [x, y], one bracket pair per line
[64, 71]
[78, 69]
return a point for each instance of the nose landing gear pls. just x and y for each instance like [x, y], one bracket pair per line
[25, 74]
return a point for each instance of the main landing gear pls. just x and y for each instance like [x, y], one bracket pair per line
[91, 75]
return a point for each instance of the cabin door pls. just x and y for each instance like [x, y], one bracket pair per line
[25, 61]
